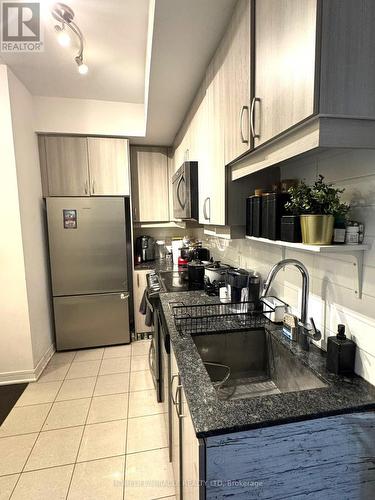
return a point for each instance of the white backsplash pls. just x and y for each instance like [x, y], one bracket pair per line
[332, 298]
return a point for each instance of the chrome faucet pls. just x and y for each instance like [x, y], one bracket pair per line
[305, 329]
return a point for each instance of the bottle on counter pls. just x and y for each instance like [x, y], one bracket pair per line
[340, 353]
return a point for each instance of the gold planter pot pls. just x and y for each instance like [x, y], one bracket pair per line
[317, 229]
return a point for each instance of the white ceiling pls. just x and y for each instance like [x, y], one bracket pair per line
[115, 33]
[185, 35]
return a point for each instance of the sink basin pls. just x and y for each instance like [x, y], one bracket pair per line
[247, 364]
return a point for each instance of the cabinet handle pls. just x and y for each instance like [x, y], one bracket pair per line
[179, 402]
[135, 213]
[243, 138]
[93, 187]
[86, 187]
[171, 387]
[137, 280]
[252, 111]
[206, 215]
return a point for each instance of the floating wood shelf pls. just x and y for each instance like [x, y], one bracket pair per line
[355, 251]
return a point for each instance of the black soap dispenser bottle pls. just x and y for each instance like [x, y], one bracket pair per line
[340, 353]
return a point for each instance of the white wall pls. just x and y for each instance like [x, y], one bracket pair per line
[32, 219]
[88, 117]
[332, 297]
[16, 360]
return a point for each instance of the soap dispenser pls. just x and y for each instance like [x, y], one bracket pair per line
[340, 353]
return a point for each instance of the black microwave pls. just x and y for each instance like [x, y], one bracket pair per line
[185, 191]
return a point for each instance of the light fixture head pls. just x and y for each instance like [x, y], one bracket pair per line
[62, 13]
[62, 36]
[82, 67]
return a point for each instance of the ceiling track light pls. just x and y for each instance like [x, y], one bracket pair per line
[65, 15]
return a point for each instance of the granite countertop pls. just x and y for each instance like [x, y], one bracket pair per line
[154, 265]
[212, 416]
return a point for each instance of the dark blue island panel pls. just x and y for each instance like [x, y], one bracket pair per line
[331, 458]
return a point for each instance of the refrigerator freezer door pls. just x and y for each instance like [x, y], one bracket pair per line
[91, 320]
[87, 245]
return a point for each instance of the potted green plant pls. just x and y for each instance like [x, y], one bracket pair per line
[317, 206]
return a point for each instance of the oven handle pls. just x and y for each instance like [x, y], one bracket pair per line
[149, 303]
[149, 361]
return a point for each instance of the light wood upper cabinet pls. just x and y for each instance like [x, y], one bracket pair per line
[150, 184]
[81, 166]
[66, 166]
[285, 40]
[214, 174]
[237, 76]
[109, 166]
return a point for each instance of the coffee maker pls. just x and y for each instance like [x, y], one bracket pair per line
[144, 249]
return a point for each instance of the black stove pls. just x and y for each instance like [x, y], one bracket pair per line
[157, 283]
[167, 281]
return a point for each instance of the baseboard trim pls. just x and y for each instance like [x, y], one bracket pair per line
[38, 370]
[22, 376]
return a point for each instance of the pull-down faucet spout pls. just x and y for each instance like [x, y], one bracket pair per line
[304, 327]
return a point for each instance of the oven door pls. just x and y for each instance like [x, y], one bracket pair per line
[154, 361]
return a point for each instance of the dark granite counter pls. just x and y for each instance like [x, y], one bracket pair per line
[212, 416]
[154, 265]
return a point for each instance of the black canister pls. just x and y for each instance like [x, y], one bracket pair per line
[196, 275]
[340, 353]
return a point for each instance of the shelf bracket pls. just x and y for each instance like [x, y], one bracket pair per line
[357, 262]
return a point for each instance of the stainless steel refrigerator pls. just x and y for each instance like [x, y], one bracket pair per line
[88, 257]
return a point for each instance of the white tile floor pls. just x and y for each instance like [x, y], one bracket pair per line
[90, 428]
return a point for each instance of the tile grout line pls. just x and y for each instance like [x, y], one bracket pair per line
[49, 411]
[84, 428]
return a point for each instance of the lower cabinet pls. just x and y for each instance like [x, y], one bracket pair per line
[139, 285]
[186, 447]
[328, 457]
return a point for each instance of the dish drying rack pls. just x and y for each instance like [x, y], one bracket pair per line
[220, 317]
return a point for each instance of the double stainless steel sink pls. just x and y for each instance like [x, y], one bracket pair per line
[246, 364]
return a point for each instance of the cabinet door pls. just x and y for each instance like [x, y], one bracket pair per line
[176, 426]
[285, 33]
[215, 169]
[237, 46]
[149, 172]
[190, 454]
[139, 285]
[204, 165]
[67, 166]
[109, 166]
